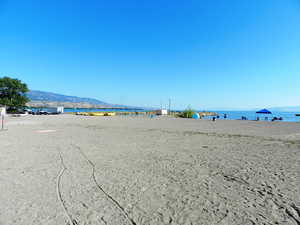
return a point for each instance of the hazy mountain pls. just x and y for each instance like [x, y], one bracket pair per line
[53, 97]
[48, 99]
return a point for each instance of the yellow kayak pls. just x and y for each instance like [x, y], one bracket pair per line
[110, 114]
[96, 114]
[82, 114]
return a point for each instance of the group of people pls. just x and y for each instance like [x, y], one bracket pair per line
[245, 118]
[277, 118]
[273, 119]
[218, 117]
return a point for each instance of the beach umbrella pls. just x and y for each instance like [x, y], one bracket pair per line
[264, 111]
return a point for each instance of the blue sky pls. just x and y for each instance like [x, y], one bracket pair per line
[202, 53]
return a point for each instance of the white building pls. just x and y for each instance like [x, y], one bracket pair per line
[161, 112]
[59, 109]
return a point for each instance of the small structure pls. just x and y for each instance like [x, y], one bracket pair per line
[161, 112]
[60, 109]
[196, 116]
[56, 110]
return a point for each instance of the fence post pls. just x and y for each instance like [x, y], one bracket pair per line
[2, 122]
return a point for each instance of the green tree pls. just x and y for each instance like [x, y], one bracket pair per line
[12, 93]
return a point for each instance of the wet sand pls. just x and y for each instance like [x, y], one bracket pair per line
[68, 169]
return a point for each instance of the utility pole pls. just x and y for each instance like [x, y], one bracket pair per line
[169, 106]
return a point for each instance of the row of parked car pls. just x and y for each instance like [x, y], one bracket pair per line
[36, 112]
[43, 113]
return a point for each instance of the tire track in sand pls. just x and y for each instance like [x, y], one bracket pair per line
[59, 195]
[109, 197]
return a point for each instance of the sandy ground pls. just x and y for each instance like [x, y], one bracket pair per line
[67, 169]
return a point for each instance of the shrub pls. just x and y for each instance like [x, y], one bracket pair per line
[188, 113]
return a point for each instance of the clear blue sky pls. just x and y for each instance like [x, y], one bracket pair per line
[202, 53]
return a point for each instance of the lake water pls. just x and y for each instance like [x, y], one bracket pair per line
[231, 115]
[251, 115]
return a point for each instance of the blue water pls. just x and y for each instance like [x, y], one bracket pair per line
[251, 115]
[231, 115]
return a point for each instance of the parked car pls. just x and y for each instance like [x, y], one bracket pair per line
[40, 112]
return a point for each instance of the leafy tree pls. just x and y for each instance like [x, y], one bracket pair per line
[12, 93]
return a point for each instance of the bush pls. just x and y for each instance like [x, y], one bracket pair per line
[188, 113]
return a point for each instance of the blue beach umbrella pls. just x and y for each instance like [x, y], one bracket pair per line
[264, 111]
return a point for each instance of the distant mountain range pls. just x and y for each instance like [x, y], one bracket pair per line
[53, 97]
[48, 99]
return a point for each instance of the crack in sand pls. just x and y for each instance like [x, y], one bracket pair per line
[296, 208]
[103, 221]
[290, 214]
[59, 195]
[113, 201]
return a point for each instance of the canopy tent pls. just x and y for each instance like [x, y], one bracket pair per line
[264, 111]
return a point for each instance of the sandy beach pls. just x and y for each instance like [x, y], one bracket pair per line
[58, 170]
